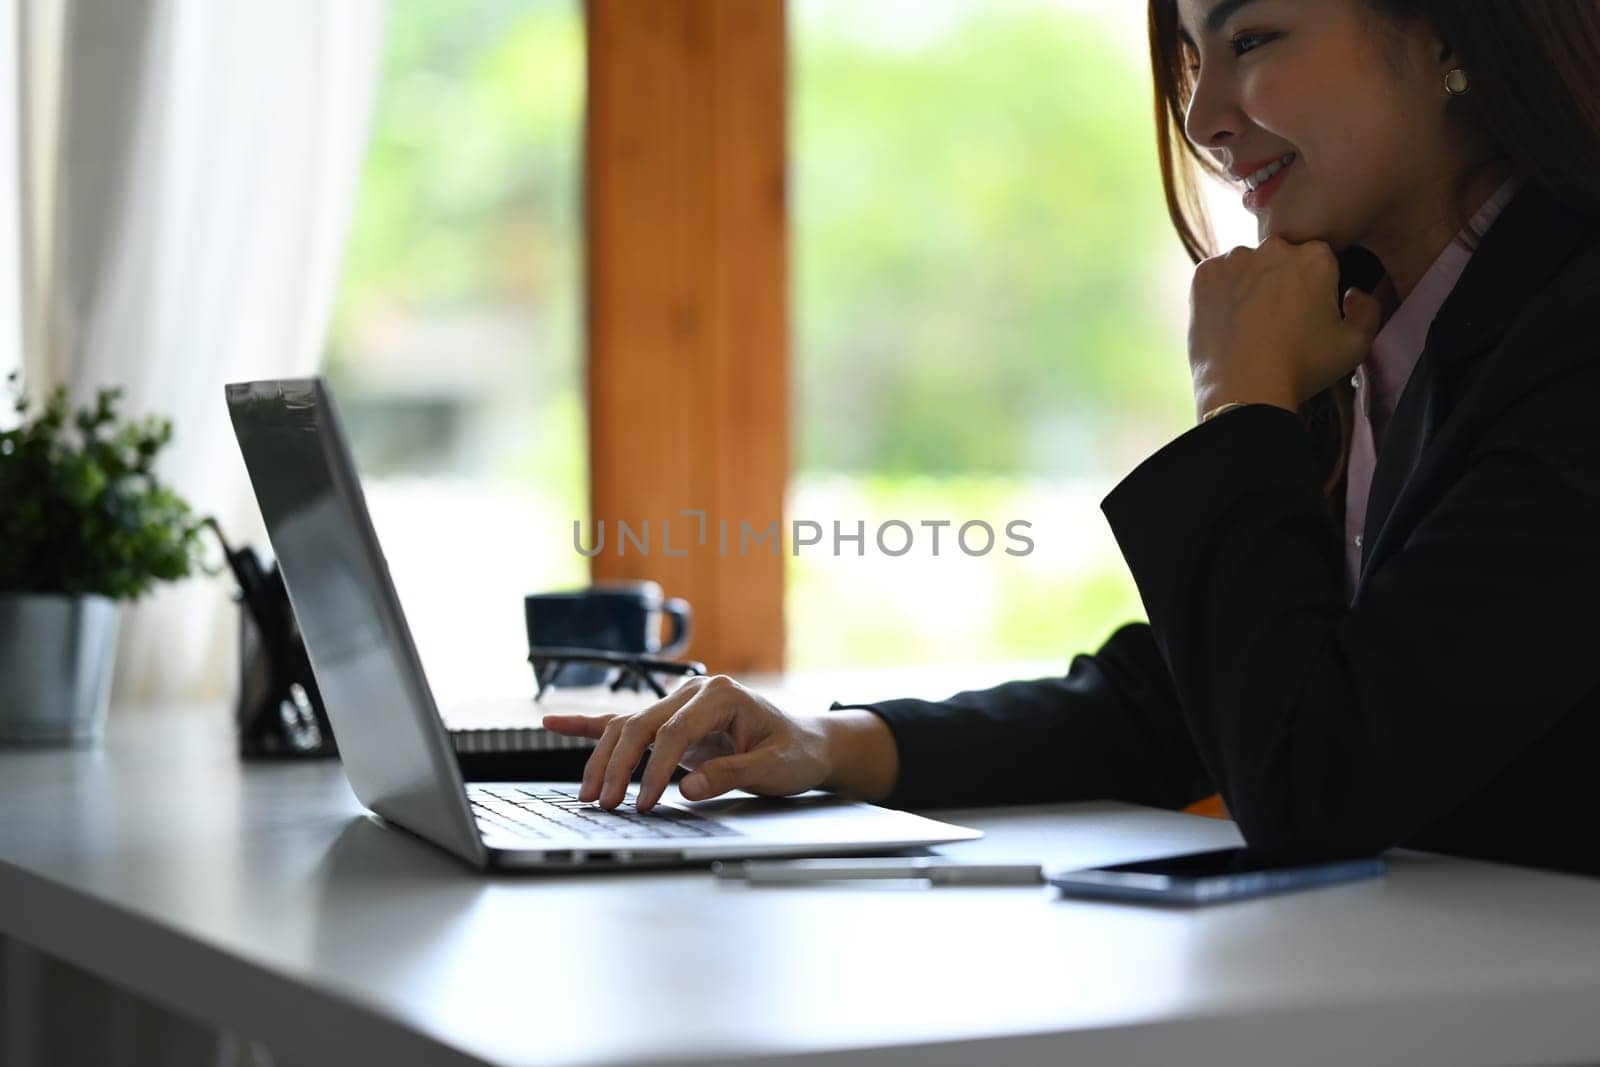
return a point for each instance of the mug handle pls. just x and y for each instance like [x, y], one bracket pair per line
[676, 609]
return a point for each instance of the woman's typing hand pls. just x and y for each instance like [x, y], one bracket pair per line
[727, 736]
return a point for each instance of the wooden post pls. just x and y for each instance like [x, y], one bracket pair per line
[687, 308]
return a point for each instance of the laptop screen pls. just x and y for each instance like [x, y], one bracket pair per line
[395, 750]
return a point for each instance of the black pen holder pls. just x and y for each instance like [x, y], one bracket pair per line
[279, 711]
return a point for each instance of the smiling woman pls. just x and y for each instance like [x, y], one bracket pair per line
[1383, 162]
[1382, 643]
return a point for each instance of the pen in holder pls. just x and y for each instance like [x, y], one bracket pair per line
[279, 711]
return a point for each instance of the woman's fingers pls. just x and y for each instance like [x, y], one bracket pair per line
[627, 744]
[711, 746]
[582, 726]
[595, 769]
[715, 777]
[577, 725]
[707, 713]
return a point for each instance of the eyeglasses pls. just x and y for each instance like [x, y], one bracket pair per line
[550, 660]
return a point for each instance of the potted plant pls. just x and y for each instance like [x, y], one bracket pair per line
[84, 524]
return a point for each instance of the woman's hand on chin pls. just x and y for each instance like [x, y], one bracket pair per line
[1263, 331]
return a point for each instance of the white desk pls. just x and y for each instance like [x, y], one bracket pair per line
[261, 900]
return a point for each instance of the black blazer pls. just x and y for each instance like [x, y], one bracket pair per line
[1454, 705]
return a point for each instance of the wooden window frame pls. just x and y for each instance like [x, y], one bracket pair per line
[685, 155]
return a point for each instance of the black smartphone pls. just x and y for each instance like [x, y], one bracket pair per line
[1210, 877]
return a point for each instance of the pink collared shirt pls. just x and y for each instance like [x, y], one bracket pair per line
[1382, 376]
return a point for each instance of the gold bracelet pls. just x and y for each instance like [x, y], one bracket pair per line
[1219, 409]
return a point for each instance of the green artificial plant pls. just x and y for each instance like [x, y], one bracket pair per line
[81, 509]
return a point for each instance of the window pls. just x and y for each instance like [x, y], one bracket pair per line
[988, 312]
[989, 320]
[456, 348]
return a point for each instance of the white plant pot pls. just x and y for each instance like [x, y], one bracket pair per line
[56, 654]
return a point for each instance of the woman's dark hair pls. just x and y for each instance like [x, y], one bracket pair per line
[1532, 65]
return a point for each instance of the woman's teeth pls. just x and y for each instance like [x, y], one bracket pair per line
[1262, 176]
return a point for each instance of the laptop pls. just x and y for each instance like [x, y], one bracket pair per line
[395, 749]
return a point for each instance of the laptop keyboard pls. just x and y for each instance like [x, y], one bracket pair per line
[554, 813]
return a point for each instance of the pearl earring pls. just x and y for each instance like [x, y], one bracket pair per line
[1456, 82]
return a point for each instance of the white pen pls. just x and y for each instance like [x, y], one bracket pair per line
[934, 870]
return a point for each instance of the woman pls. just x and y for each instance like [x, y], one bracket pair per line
[1369, 569]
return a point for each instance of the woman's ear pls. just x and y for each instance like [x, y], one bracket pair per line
[1446, 56]
[1414, 49]
[1443, 52]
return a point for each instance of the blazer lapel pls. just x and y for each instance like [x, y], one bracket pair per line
[1524, 249]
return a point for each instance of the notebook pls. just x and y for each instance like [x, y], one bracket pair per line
[501, 739]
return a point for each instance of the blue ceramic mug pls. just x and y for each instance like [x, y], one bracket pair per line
[615, 616]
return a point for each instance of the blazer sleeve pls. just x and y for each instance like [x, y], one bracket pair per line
[1339, 726]
[1109, 729]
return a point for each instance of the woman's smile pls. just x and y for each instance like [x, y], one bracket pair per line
[1257, 195]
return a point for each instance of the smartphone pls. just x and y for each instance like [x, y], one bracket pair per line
[1210, 877]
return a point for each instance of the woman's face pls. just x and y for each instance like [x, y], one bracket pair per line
[1360, 106]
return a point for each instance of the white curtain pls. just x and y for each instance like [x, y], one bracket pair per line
[188, 173]
[176, 184]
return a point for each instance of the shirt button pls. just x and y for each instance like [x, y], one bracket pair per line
[1355, 380]
[1358, 540]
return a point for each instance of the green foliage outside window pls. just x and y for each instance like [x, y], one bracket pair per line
[981, 274]
[980, 244]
